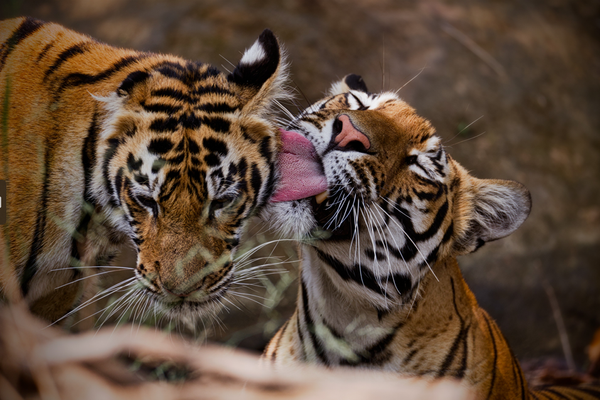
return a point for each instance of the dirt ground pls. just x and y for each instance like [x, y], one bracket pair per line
[513, 88]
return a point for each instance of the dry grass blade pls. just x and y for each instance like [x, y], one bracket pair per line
[475, 48]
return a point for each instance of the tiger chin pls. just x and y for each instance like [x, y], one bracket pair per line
[380, 286]
[105, 146]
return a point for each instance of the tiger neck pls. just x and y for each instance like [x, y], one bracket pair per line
[443, 333]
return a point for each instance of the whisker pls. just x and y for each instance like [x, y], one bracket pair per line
[103, 294]
[92, 267]
[84, 278]
[411, 79]
[471, 138]
[462, 130]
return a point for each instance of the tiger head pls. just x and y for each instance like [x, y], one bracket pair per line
[396, 202]
[186, 154]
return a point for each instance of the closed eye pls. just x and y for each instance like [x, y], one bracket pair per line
[148, 202]
[220, 204]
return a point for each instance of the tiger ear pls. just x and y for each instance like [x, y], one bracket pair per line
[261, 74]
[348, 83]
[488, 209]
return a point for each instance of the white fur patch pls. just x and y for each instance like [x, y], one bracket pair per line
[254, 54]
[338, 87]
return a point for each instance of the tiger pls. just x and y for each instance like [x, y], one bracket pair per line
[103, 147]
[380, 286]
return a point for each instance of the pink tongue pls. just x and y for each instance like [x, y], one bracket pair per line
[301, 173]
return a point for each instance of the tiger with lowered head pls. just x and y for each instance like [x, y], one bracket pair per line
[380, 285]
[102, 146]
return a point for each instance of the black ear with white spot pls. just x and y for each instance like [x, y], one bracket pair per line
[348, 83]
[355, 82]
[261, 72]
[498, 209]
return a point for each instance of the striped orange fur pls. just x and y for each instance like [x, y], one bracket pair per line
[380, 286]
[102, 146]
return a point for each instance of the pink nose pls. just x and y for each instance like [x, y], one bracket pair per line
[350, 134]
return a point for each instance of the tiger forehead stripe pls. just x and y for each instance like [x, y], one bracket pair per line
[26, 28]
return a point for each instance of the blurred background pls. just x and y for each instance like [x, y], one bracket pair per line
[512, 86]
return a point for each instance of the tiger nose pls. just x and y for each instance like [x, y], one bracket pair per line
[182, 280]
[178, 291]
[347, 137]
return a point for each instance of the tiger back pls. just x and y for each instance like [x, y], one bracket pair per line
[103, 146]
[380, 286]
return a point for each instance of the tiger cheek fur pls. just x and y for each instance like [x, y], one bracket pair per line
[111, 145]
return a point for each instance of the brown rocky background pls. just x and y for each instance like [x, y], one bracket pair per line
[513, 88]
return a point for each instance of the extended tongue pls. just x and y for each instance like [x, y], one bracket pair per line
[301, 174]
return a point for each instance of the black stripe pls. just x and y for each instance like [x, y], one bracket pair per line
[172, 70]
[113, 145]
[148, 202]
[160, 146]
[217, 124]
[270, 186]
[164, 108]
[357, 273]
[215, 145]
[211, 89]
[190, 121]
[536, 395]
[424, 181]
[592, 391]
[493, 339]
[79, 79]
[408, 226]
[72, 51]
[310, 326]
[196, 175]
[449, 233]
[177, 159]
[255, 181]
[75, 258]
[517, 370]
[133, 164]
[376, 354]
[132, 79]
[44, 51]
[88, 160]
[27, 27]
[216, 108]
[88, 155]
[461, 337]
[300, 335]
[119, 181]
[463, 361]
[409, 356]
[430, 196]
[164, 125]
[173, 94]
[37, 243]
[556, 393]
[193, 147]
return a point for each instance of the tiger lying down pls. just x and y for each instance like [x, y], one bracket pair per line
[381, 288]
[103, 146]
